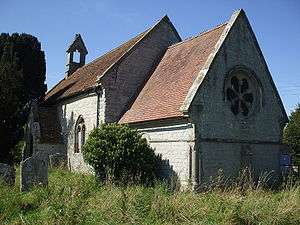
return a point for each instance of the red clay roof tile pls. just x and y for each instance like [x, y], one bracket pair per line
[86, 76]
[166, 89]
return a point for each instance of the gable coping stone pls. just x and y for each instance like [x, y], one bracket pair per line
[132, 48]
[202, 73]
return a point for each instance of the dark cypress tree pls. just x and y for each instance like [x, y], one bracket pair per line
[32, 62]
[12, 99]
[22, 78]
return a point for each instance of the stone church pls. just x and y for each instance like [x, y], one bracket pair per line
[204, 104]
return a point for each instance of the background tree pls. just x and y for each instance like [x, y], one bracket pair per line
[22, 77]
[31, 60]
[292, 134]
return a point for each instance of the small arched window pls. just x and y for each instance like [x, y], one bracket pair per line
[83, 134]
[79, 134]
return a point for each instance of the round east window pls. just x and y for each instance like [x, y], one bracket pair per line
[241, 92]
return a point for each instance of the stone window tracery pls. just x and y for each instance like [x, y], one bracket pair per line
[241, 92]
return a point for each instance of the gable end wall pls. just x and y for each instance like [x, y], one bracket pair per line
[222, 138]
[126, 79]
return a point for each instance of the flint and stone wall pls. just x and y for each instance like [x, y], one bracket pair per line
[230, 158]
[174, 142]
[124, 81]
[120, 86]
[224, 140]
[69, 111]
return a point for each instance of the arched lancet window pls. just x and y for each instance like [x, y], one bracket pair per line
[83, 134]
[79, 134]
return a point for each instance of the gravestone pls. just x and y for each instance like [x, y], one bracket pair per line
[57, 160]
[34, 171]
[7, 173]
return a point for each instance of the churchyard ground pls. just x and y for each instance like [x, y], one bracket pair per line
[73, 198]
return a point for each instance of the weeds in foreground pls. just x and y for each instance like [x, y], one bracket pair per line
[78, 199]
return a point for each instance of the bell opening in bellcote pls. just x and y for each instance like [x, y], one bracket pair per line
[76, 54]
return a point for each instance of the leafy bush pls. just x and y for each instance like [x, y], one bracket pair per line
[291, 135]
[120, 154]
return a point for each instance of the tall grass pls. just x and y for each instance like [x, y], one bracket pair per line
[78, 199]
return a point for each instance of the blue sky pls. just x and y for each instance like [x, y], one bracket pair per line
[106, 24]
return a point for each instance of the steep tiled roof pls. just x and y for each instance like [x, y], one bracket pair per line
[86, 76]
[167, 88]
[50, 129]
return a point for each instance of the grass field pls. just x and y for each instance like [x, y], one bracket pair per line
[77, 199]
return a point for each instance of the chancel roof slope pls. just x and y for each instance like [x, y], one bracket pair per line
[86, 77]
[167, 88]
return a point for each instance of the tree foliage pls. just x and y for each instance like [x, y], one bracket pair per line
[292, 134]
[12, 94]
[22, 77]
[120, 154]
[31, 60]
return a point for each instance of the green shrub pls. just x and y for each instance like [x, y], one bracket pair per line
[291, 134]
[119, 154]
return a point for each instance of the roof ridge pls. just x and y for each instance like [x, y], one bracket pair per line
[55, 85]
[145, 33]
[138, 38]
[167, 20]
[114, 49]
[100, 57]
[199, 35]
[164, 18]
[128, 50]
[162, 96]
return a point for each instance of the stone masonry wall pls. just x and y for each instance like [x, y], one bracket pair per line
[228, 157]
[69, 111]
[221, 135]
[174, 141]
[126, 79]
[120, 87]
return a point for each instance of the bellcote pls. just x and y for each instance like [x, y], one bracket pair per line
[77, 47]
